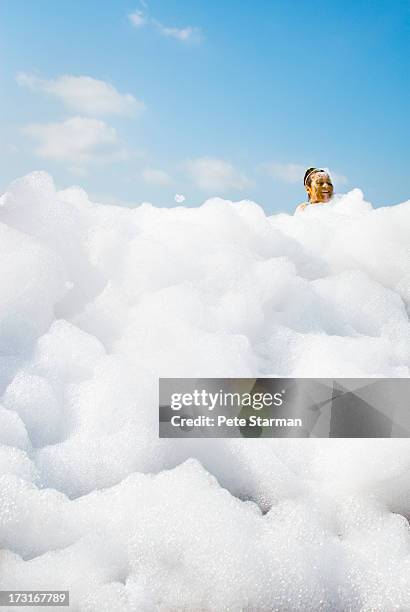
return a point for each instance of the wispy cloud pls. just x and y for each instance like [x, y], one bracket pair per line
[338, 179]
[215, 175]
[155, 176]
[137, 18]
[294, 173]
[83, 94]
[188, 34]
[77, 140]
[140, 18]
[286, 173]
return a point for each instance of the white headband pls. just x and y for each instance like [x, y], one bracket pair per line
[313, 172]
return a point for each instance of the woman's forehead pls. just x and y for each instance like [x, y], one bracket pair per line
[320, 175]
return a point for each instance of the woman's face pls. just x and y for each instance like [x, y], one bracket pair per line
[321, 187]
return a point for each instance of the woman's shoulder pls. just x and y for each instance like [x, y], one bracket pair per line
[301, 206]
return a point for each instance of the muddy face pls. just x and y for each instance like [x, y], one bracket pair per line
[320, 188]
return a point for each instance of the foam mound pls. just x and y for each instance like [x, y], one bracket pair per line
[98, 301]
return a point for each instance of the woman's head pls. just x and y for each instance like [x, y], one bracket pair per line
[318, 185]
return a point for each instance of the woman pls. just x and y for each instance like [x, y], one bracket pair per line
[319, 187]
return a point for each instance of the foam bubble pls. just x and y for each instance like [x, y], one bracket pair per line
[97, 302]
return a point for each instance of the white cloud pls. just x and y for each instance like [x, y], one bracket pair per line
[294, 173]
[154, 176]
[77, 140]
[338, 179]
[215, 175]
[80, 171]
[137, 18]
[140, 18]
[84, 94]
[188, 34]
[287, 173]
[179, 198]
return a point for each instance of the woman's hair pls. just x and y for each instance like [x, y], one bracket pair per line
[308, 175]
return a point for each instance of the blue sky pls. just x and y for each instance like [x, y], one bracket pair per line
[206, 98]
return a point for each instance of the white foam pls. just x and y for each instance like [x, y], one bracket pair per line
[98, 301]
